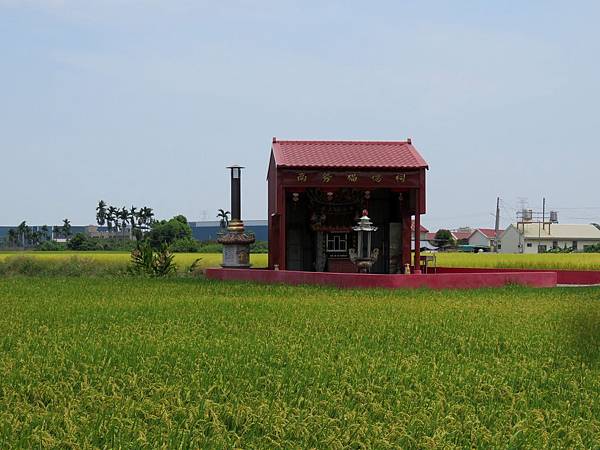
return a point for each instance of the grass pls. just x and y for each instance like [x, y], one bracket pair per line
[96, 263]
[99, 362]
[565, 261]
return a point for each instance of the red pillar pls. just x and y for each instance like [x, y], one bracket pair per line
[406, 237]
[418, 232]
[282, 227]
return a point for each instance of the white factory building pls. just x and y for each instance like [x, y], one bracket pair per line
[541, 237]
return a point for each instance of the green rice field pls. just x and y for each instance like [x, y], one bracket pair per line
[187, 363]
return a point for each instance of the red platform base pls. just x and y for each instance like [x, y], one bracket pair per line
[359, 280]
[566, 277]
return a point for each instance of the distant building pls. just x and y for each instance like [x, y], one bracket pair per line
[538, 238]
[483, 238]
[209, 230]
[74, 229]
[425, 236]
[462, 235]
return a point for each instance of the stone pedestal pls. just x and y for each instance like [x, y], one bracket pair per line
[236, 246]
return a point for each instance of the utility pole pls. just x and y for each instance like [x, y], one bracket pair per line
[497, 228]
[544, 213]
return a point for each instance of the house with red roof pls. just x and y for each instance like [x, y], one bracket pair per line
[319, 189]
[422, 231]
[484, 238]
[462, 235]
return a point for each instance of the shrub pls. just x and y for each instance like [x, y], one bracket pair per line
[210, 247]
[185, 245]
[592, 248]
[81, 242]
[260, 247]
[158, 264]
[443, 238]
[215, 247]
[167, 232]
[51, 246]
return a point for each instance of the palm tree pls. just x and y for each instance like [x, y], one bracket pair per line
[101, 213]
[142, 216]
[133, 216]
[66, 228]
[36, 237]
[111, 218]
[224, 218]
[13, 237]
[123, 214]
[45, 231]
[22, 231]
[149, 216]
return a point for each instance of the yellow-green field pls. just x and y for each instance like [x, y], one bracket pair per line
[120, 258]
[565, 261]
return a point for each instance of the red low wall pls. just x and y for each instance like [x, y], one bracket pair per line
[584, 277]
[355, 280]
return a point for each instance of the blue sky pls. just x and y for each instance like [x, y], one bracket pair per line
[145, 102]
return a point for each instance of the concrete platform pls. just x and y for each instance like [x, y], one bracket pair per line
[465, 280]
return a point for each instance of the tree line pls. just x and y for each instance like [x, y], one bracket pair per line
[121, 219]
[25, 236]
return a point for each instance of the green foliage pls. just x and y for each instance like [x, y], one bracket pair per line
[157, 264]
[164, 262]
[51, 246]
[560, 250]
[121, 219]
[84, 242]
[25, 237]
[181, 219]
[190, 245]
[80, 242]
[185, 245]
[142, 259]
[259, 247]
[443, 238]
[211, 247]
[179, 363]
[592, 248]
[168, 231]
[194, 268]
[223, 217]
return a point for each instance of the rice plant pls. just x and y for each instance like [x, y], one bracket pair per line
[180, 362]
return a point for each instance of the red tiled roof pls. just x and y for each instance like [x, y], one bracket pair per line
[422, 228]
[459, 235]
[347, 154]
[489, 232]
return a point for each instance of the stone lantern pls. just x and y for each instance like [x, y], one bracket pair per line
[236, 242]
[363, 256]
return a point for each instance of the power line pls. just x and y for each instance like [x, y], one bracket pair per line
[577, 208]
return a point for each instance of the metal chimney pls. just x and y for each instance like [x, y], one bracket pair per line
[236, 243]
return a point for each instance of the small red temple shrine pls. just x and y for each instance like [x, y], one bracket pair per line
[341, 207]
[318, 191]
